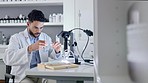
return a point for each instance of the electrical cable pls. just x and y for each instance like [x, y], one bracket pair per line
[75, 29]
[84, 48]
[86, 60]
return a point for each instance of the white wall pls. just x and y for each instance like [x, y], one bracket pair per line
[110, 41]
[79, 14]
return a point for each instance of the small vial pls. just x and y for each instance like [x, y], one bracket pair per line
[57, 39]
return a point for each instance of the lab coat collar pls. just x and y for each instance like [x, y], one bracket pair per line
[26, 35]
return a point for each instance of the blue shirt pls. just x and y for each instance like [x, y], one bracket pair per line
[35, 54]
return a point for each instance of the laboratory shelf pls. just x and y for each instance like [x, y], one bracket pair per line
[32, 3]
[25, 24]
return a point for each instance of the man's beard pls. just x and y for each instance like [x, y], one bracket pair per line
[31, 33]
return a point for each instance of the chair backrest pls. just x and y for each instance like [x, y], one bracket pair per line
[8, 71]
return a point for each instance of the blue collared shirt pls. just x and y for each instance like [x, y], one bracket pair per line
[35, 54]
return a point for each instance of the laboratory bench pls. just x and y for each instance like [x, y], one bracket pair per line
[82, 74]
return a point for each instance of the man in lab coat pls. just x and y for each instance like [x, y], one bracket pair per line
[28, 48]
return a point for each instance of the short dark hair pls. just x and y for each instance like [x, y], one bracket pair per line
[36, 15]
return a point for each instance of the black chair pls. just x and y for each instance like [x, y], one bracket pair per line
[8, 75]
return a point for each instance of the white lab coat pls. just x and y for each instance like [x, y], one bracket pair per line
[17, 56]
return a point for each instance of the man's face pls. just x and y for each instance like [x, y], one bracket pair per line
[35, 28]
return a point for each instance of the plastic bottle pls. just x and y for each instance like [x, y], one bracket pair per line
[57, 18]
[50, 18]
[61, 18]
[54, 17]
[4, 40]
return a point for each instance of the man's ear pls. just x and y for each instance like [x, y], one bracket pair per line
[28, 24]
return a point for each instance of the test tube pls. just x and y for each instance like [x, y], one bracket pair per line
[57, 39]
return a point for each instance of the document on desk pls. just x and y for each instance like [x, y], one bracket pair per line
[56, 65]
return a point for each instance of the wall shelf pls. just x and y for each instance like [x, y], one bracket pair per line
[24, 24]
[32, 3]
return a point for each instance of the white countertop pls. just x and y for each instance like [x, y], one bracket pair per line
[81, 71]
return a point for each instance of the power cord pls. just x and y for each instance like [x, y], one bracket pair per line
[86, 60]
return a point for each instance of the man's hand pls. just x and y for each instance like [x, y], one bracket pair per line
[36, 46]
[56, 46]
